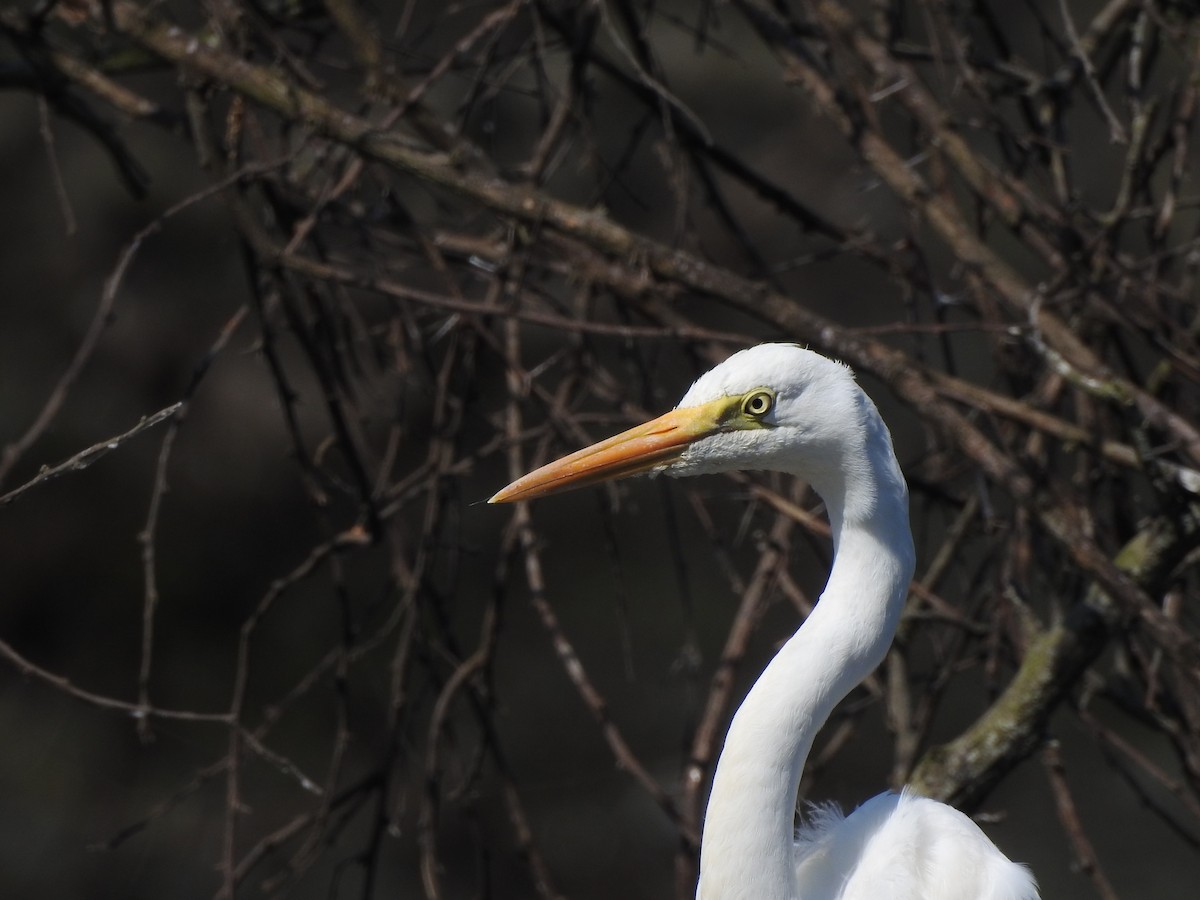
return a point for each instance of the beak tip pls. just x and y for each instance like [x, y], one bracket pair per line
[504, 495]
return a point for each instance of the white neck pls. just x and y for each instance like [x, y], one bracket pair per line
[747, 847]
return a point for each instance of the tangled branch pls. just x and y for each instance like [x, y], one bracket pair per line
[469, 242]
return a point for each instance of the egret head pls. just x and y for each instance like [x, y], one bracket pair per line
[785, 408]
[775, 406]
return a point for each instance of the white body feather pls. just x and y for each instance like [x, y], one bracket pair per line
[903, 846]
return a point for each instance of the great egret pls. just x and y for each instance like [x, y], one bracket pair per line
[784, 408]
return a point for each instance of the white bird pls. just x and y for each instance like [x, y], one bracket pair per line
[784, 408]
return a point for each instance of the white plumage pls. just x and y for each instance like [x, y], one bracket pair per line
[902, 845]
[784, 408]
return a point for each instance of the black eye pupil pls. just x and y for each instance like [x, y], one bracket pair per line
[758, 404]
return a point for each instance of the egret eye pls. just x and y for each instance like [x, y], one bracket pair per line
[758, 403]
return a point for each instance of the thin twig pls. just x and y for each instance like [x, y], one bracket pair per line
[85, 458]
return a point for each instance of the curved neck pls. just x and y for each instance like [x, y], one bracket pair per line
[747, 847]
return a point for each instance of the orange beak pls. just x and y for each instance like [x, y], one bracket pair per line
[640, 449]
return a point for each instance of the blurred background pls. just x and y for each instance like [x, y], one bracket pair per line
[290, 288]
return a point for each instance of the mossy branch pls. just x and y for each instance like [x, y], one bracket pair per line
[965, 769]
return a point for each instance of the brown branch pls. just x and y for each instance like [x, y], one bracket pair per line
[563, 647]
[85, 458]
[1085, 852]
[994, 273]
[963, 770]
[601, 233]
[136, 710]
[148, 534]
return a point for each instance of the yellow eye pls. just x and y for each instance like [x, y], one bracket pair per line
[758, 403]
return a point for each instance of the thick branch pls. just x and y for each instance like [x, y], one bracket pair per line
[964, 770]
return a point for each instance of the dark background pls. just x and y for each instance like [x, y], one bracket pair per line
[642, 584]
